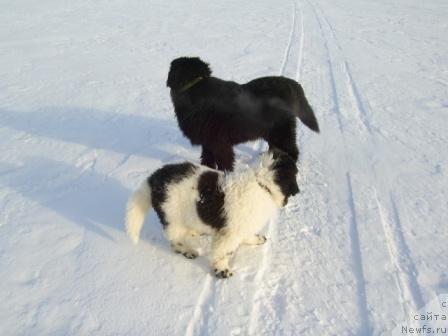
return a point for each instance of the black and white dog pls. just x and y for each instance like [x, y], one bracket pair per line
[218, 114]
[193, 200]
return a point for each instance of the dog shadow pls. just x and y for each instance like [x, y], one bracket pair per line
[117, 132]
[83, 197]
[113, 131]
[87, 199]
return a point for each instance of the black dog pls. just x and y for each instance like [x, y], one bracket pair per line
[218, 114]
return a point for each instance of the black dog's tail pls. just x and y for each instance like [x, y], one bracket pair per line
[285, 90]
[304, 111]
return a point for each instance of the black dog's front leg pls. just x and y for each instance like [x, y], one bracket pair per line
[207, 158]
[283, 136]
[225, 157]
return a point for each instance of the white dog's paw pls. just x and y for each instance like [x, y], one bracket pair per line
[261, 239]
[255, 240]
[223, 274]
[185, 251]
[190, 254]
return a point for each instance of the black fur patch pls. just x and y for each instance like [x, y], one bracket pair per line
[210, 206]
[162, 178]
[285, 173]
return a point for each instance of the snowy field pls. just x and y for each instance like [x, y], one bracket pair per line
[85, 116]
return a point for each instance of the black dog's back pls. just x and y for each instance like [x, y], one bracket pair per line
[219, 109]
[284, 91]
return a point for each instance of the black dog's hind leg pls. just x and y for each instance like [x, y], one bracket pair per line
[283, 137]
[207, 158]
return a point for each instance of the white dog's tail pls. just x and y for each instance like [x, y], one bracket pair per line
[137, 207]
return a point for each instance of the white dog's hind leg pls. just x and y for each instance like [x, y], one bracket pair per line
[178, 236]
[223, 247]
[255, 240]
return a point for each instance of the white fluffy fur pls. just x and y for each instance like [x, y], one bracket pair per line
[247, 207]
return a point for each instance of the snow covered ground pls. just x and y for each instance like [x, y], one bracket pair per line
[85, 116]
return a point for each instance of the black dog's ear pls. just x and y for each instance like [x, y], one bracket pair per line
[205, 69]
[199, 68]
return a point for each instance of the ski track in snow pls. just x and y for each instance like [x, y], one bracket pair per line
[302, 38]
[196, 324]
[357, 100]
[357, 262]
[292, 34]
[295, 44]
[405, 270]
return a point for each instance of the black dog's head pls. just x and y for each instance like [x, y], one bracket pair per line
[184, 70]
[285, 173]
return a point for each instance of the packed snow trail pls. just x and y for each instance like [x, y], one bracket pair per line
[85, 116]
